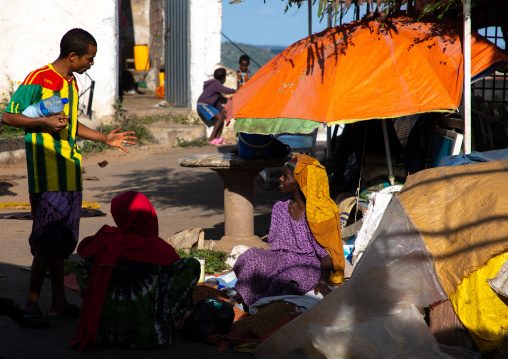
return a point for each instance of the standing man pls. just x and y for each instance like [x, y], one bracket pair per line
[54, 168]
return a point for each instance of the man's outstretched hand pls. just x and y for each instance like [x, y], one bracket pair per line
[119, 139]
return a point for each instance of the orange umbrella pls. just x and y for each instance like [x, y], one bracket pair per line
[360, 71]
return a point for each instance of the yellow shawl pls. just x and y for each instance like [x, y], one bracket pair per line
[322, 212]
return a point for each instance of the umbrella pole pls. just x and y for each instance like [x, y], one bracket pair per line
[310, 17]
[467, 76]
[328, 142]
[391, 177]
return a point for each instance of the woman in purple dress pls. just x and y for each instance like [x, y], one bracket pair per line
[295, 263]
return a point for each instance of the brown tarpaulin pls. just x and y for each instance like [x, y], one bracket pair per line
[462, 213]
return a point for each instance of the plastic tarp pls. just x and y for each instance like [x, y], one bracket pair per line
[394, 274]
[404, 334]
[480, 309]
[474, 157]
[462, 214]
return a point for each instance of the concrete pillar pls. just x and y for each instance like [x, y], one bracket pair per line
[238, 204]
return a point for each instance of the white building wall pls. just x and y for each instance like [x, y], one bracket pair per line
[205, 43]
[141, 20]
[31, 33]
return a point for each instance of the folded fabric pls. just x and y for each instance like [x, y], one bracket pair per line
[301, 301]
[240, 335]
[227, 280]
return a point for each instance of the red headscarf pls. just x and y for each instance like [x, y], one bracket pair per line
[135, 238]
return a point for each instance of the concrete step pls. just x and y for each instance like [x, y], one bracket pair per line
[170, 134]
[12, 149]
[164, 133]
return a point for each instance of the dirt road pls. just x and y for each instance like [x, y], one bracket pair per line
[183, 198]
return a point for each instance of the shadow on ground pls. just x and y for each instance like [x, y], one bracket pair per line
[18, 343]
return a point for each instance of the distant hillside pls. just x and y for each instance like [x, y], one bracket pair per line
[261, 54]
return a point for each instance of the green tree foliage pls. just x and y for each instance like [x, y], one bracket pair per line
[386, 7]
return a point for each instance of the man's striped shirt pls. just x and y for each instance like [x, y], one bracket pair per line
[53, 158]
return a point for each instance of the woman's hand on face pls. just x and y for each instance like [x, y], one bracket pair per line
[322, 288]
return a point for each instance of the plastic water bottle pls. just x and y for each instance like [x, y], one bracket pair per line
[47, 107]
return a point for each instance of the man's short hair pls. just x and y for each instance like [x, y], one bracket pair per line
[219, 73]
[77, 41]
[244, 58]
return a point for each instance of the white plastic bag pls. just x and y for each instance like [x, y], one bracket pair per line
[235, 253]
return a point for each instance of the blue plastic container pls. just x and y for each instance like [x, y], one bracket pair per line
[253, 145]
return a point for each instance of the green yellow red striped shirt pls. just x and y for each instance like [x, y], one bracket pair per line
[53, 158]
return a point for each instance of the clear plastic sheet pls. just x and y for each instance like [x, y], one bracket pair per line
[403, 334]
[395, 271]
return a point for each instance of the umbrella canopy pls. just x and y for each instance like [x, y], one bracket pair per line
[360, 71]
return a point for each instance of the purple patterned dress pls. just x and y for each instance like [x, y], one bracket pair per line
[294, 254]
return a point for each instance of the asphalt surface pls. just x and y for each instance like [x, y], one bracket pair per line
[182, 197]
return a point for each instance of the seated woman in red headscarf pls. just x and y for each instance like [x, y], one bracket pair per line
[305, 242]
[136, 288]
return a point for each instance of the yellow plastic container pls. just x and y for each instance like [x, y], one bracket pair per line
[141, 58]
[161, 78]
